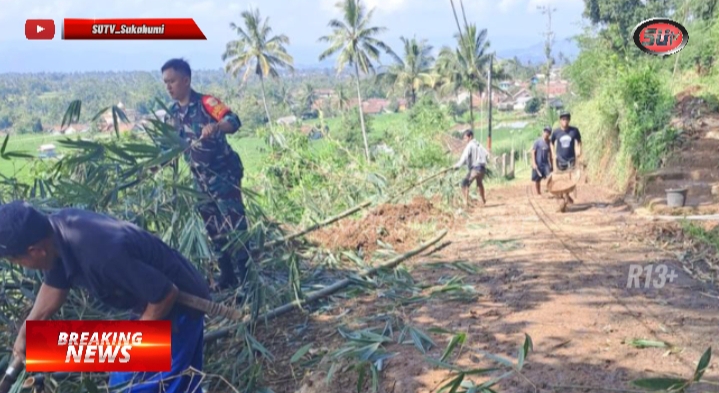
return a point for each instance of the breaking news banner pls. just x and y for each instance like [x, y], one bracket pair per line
[131, 29]
[98, 346]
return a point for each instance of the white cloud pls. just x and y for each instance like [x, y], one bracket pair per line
[380, 6]
[505, 5]
[533, 4]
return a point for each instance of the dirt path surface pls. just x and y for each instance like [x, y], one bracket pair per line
[561, 279]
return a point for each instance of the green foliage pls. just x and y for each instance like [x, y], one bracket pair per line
[533, 105]
[645, 135]
[428, 115]
[350, 131]
[701, 55]
[619, 17]
[595, 62]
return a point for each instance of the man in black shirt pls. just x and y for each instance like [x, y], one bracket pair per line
[564, 139]
[122, 265]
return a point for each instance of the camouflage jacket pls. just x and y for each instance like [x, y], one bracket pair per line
[212, 161]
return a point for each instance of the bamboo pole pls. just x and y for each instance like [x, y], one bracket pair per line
[39, 380]
[708, 217]
[319, 225]
[336, 287]
[419, 183]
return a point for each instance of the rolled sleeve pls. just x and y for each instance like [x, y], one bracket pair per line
[139, 279]
[233, 119]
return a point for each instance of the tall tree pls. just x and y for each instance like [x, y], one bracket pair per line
[342, 97]
[358, 46]
[467, 64]
[619, 17]
[412, 72]
[257, 50]
[308, 96]
[549, 41]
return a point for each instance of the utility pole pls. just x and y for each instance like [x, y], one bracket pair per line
[548, 10]
[489, 104]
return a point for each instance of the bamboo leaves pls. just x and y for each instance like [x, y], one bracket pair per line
[673, 384]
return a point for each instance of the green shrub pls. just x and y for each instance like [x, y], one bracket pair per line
[645, 134]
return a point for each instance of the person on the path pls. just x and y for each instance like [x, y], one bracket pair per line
[123, 266]
[204, 122]
[566, 144]
[541, 159]
[475, 157]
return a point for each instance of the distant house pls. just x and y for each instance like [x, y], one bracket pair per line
[556, 88]
[464, 96]
[324, 93]
[402, 103]
[75, 129]
[505, 84]
[521, 98]
[374, 106]
[47, 151]
[287, 120]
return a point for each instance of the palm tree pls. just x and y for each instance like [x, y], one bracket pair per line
[308, 96]
[257, 50]
[413, 72]
[467, 64]
[342, 97]
[356, 42]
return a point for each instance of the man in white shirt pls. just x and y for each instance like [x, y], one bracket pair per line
[475, 157]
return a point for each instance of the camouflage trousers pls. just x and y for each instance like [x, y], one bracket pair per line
[225, 221]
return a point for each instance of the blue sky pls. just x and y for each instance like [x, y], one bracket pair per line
[512, 24]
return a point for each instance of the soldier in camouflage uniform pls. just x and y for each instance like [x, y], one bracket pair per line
[203, 121]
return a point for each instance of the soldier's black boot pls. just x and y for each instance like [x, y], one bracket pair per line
[228, 277]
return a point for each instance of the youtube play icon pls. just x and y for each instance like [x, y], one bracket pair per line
[40, 29]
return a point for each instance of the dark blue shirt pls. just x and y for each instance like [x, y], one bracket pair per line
[541, 148]
[564, 142]
[123, 265]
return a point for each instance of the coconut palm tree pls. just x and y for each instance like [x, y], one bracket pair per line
[257, 50]
[413, 72]
[308, 96]
[342, 97]
[355, 40]
[467, 65]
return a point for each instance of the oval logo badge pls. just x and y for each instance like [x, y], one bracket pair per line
[660, 36]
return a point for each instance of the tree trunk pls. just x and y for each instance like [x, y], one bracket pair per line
[361, 114]
[267, 111]
[264, 100]
[471, 112]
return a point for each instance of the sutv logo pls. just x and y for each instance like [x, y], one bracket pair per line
[660, 36]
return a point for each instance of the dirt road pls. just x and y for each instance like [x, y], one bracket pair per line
[562, 279]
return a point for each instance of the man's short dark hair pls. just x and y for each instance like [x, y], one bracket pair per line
[21, 226]
[547, 129]
[468, 133]
[179, 65]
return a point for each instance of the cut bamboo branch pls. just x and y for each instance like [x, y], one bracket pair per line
[38, 380]
[349, 212]
[319, 225]
[336, 287]
[708, 217]
[419, 183]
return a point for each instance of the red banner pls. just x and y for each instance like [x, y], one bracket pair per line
[131, 29]
[98, 346]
